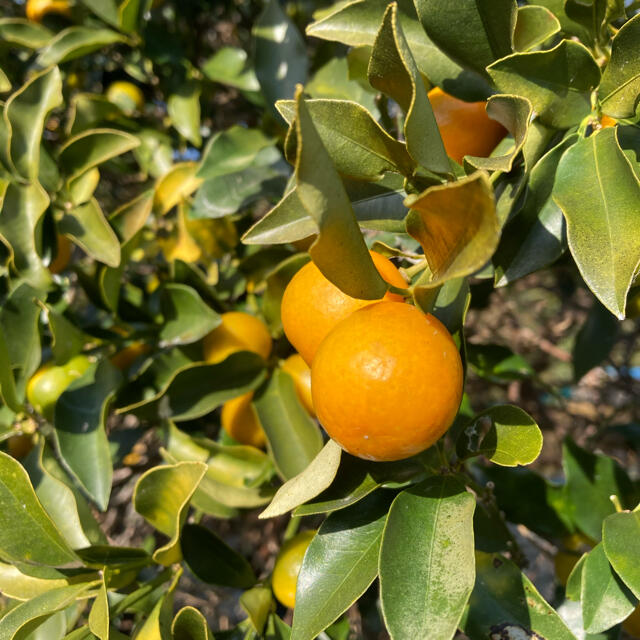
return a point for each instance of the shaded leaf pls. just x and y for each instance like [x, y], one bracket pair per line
[75, 42]
[190, 624]
[534, 25]
[184, 110]
[24, 33]
[594, 341]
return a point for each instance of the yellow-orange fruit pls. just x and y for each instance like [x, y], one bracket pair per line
[63, 254]
[607, 121]
[126, 95]
[299, 370]
[465, 127]
[239, 331]
[127, 356]
[20, 445]
[387, 382]
[240, 421]
[287, 567]
[312, 305]
[36, 10]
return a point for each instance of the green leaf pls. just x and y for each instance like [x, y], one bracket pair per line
[558, 82]
[573, 589]
[83, 187]
[162, 496]
[76, 42]
[505, 434]
[357, 23]
[594, 341]
[32, 536]
[605, 599]
[339, 565]
[113, 557]
[129, 14]
[620, 86]
[496, 362]
[598, 192]
[68, 339]
[107, 10]
[184, 110]
[622, 545]
[7, 381]
[514, 113]
[212, 560]
[339, 251]
[190, 624]
[20, 621]
[308, 484]
[358, 146]
[230, 66]
[280, 55]
[25, 114]
[24, 33]
[88, 228]
[393, 71]
[591, 480]
[451, 304]
[186, 316]
[294, 438]
[80, 416]
[456, 225]
[28, 581]
[258, 604]
[89, 109]
[505, 600]
[99, 614]
[536, 236]
[132, 216]
[473, 33]
[5, 83]
[425, 585]
[534, 25]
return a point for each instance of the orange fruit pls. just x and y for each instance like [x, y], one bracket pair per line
[298, 369]
[632, 624]
[571, 549]
[608, 121]
[63, 254]
[126, 95]
[240, 421]
[387, 382]
[239, 331]
[20, 445]
[127, 356]
[465, 127]
[287, 567]
[312, 305]
[36, 10]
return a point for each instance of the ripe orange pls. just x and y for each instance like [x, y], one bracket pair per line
[38, 9]
[387, 382]
[465, 127]
[287, 567]
[239, 331]
[298, 369]
[632, 624]
[126, 95]
[240, 421]
[607, 121]
[127, 356]
[63, 254]
[312, 305]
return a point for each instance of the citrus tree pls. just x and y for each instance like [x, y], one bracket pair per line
[236, 267]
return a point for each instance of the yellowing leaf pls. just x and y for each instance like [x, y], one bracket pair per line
[176, 185]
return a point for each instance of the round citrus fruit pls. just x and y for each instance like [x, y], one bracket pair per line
[48, 383]
[608, 121]
[63, 254]
[20, 445]
[572, 548]
[240, 421]
[299, 370]
[312, 305]
[126, 95]
[239, 331]
[287, 567]
[632, 624]
[127, 356]
[465, 127]
[36, 10]
[387, 382]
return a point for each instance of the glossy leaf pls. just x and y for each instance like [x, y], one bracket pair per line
[621, 544]
[505, 599]
[424, 587]
[176, 185]
[186, 316]
[162, 496]
[339, 251]
[594, 341]
[339, 565]
[605, 599]
[393, 71]
[487, 34]
[534, 25]
[294, 438]
[32, 536]
[514, 113]
[29, 581]
[558, 82]
[308, 484]
[618, 91]
[190, 624]
[212, 560]
[80, 415]
[26, 113]
[229, 65]
[456, 225]
[88, 228]
[258, 603]
[184, 110]
[24, 33]
[598, 192]
[99, 614]
[280, 55]
[75, 42]
[68, 339]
